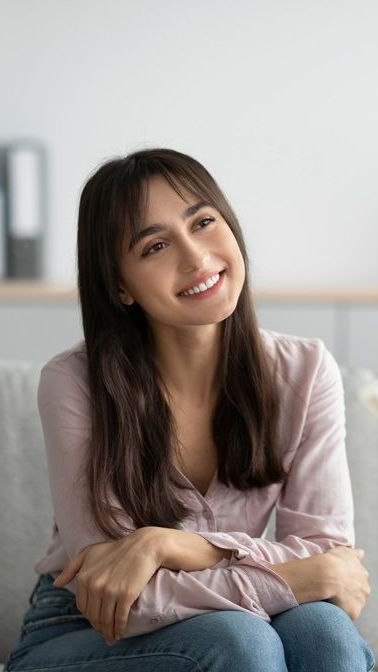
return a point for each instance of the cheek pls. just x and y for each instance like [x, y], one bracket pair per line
[235, 255]
[239, 271]
[151, 291]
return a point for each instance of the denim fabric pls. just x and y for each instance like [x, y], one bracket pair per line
[316, 636]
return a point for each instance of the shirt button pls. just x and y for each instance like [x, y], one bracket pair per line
[207, 515]
[154, 620]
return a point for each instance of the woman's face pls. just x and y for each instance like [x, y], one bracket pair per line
[163, 263]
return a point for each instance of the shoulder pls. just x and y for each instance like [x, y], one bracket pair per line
[289, 343]
[65, 371]
[299, 358]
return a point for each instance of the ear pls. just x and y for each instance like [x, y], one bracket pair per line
[125, 297]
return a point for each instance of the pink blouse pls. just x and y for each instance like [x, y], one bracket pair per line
[314, 510]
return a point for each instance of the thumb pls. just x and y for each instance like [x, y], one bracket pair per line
[360, 552]
[70, 570]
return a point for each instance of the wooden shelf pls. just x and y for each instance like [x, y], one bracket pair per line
[21, 290]
[25, 291]
[368, 295]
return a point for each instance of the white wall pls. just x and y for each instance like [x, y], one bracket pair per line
[279, 100]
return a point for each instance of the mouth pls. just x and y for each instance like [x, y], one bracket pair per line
[206, 293]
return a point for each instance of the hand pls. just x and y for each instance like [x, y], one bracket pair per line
[110, 578]
[348, 579]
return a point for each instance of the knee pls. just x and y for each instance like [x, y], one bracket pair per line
[337, 630]
[325, 630]
[328, 624]
[246, 639]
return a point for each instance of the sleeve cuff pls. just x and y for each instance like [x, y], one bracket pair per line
[274, 593]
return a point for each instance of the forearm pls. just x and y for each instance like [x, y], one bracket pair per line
[306, 577]
[188, 551]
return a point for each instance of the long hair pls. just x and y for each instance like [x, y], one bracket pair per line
[133, 428]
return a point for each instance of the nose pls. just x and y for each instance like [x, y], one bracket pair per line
[193, 256]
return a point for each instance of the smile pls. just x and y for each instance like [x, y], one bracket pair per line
[204, 290]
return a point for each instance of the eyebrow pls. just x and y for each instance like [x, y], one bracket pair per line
[156, 228]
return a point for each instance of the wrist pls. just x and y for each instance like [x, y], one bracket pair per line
[161, 544]
[330, 574]
[306, 577]
[190, 552]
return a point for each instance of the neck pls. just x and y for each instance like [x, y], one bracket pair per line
[188, 363]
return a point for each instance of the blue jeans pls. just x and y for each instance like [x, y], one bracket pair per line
[315, 636]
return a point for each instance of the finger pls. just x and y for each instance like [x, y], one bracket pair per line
[70, 570]
[360, 552]
[93, 610]
[82, 598]
[107, 612]
[121, 618]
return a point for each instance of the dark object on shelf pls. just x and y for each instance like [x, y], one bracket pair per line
[24, 257]
[25, 178]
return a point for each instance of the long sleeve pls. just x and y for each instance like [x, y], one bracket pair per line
[314, 510]
[172, 596]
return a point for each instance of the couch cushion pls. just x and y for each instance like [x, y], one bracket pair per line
[362, 449]
[25, 502]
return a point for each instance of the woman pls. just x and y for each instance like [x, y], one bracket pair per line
[172, 432]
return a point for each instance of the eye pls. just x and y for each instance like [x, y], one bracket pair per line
[149, 251]
[153, 247]
[207, 219]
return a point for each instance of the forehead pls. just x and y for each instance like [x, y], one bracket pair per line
[160, 195]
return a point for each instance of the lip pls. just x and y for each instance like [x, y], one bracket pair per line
[208, 293]
[201, 278]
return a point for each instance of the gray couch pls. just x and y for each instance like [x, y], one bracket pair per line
[26, 508]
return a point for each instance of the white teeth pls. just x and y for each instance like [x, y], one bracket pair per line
[203, 286]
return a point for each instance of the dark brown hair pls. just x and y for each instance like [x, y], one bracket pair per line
[133, 428]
